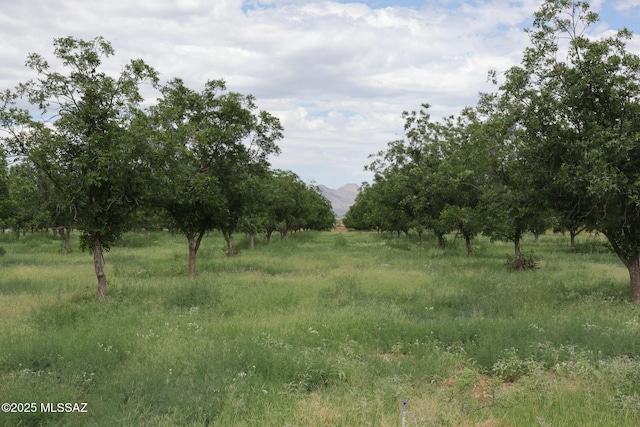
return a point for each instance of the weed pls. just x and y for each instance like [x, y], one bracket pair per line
[523, 263]
[510, 366]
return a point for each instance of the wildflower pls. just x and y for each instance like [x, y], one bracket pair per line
[543, 422]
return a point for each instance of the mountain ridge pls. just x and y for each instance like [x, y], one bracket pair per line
[342, 198]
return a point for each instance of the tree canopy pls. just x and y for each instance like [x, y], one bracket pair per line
[558, 141]
[556, 145]
[579, 101]
[89, 154]
[212, 146]
[80, 132]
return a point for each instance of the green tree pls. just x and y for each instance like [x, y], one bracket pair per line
[360, 214]
[81, 133]
[27, 192]
[509, 203]
[211, 146]
[6, 203]
[396, 195]
[319, 214]
[417, 186]
[426, 147]
[35, 206]
[284, 209]
[580, 102]
[239, 178]
[292, 205]
[464, 168]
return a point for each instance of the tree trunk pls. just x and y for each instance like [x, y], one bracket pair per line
[67, 240]
[194, 245]
[65, 232]
[192, 255]
[228, 237]
[252, 241]
[517, 253]
[633, 265]
[467, 239]
[631, 262]
[98, 264]
[572, 235]
[440, 241]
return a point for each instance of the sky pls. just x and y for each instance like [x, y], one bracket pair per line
[338, 74]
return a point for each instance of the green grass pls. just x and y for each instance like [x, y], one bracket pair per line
[321, 329]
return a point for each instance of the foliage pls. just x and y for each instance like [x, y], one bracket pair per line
[82, 133]
[35, 207]
[89, 157]
[7, 207]
[293, 205]
[523, 262]
[364, 214]
[578, 98]
[212, 147]
[556, 145]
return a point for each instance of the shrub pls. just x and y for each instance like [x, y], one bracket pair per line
[525, 262]
[2, 251]
[511, 366]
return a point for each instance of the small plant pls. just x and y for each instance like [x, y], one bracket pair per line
[511, 367]
[523, 263]
[543, 422]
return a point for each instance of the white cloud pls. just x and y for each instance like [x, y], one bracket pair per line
[625, 5]
[337, 74]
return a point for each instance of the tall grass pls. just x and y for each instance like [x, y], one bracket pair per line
[319, 329]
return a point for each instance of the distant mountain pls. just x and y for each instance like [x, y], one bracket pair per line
[342, 198]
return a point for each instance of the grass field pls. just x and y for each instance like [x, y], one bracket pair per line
[322, 329]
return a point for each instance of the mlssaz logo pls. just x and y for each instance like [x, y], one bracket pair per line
[63, 407]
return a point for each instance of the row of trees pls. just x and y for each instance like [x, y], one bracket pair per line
[557, 144]
[92, 157]
[450, 176]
